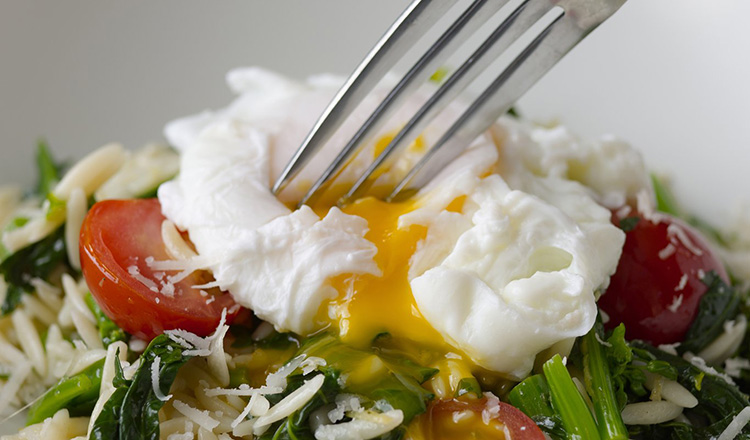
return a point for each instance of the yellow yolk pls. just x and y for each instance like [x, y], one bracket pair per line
[371, 305]
[455, 425]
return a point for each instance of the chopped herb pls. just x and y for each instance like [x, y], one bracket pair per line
[36, 260]
[629, 223]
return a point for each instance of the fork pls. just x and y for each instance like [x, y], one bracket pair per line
[553, 27]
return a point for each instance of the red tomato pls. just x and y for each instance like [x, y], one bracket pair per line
[463, 419]
[657, 287]
[118, 236]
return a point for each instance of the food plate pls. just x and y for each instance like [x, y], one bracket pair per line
[671, 82]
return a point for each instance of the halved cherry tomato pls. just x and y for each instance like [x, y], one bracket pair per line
[116, 239]
[475, 419]
[657, 287]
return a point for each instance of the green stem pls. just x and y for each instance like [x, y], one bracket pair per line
[532, 396]
[568, 402]
[599, 386]
[78, 392]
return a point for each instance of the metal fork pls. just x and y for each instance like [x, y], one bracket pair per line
[567, 23]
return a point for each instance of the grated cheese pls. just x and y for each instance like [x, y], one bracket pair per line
[289, 404]
[736, 425]
[683, 283]
[700, 363]
[202, 418]
[676, 231]
[155, 380]
[667, 252]
[311, 364]
[135, 272]
[676, 303]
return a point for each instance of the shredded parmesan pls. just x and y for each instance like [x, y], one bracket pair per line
[601, 341]
[736, 425]
[675, 230]
[667, 252]
[682, 284]
[135, 272]
[289, 404]
[311, 364]
[676, 303]
[700, 363]
[202, 418]
[155, 380]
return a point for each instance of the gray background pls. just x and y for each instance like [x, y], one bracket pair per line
[670, 76]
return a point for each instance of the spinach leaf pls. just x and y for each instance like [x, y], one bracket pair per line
[627, 379]
[109, 332]
[107, 423]
[297, 426]
[719, 304]
[36, 260]
[243, 338]
[376, 376]
[532, 396]
[132, 412]
[628, 223]
[372, 376]
[77, 393]
[139, 416]
[106, 426]
[49, 170]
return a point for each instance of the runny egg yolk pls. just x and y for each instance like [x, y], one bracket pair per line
[370, 306]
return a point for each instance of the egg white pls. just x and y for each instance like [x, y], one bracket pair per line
[511, 273]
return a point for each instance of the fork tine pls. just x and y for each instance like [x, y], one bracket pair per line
[471, 19]
[535, 60]
[418, 17]
[518, 22]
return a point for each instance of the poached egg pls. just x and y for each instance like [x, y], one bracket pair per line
[495, 261]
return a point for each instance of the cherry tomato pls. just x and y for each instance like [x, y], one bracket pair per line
[476, 419]
[657, 287]
[117, 237]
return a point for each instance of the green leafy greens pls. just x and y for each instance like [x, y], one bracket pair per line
[37, 260]
[77, 393]
[374, 376]
[132, 412]
[719, 304]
